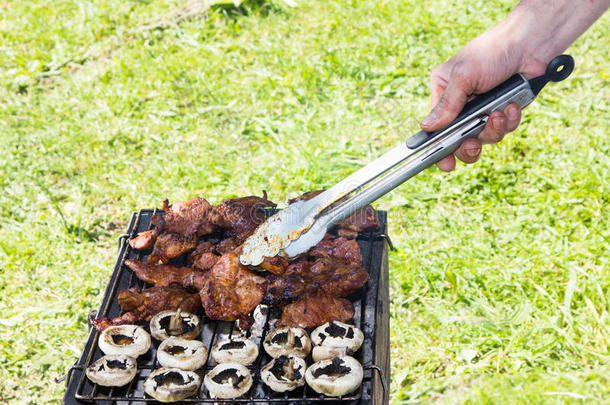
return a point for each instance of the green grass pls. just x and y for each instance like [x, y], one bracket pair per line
[501, 281]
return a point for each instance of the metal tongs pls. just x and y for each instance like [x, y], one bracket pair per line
[303, 224]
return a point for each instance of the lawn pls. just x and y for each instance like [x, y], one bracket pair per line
[500, 283]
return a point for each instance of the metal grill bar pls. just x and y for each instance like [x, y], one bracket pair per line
[81, 390]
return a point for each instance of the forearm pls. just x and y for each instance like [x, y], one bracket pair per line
[543, 29]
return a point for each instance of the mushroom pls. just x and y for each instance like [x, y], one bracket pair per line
[131, 340]
[338, 334]
[171, 384]
[284, 373]
[182, 353]
[287, 340]
[175, 323]
[327, 352]
[228, 380]
[235, 350]
[112, 370]
[335, 377]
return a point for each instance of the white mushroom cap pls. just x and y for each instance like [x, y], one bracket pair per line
[327, 352]
[131, 340]
[187, 327]
[287, 340]
[112, 370]
[335, 377]
[285, 373]
[338, 334]
[171, 384]
[235, 350]
[181, 353]
[228, 380]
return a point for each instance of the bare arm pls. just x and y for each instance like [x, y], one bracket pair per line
[531, 35]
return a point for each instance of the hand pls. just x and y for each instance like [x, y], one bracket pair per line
[481, 65]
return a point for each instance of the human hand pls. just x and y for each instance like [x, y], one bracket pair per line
[481, 65]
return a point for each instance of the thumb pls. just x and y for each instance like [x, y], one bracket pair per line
[449, 105]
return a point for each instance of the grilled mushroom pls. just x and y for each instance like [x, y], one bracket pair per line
[338, 334]
[131, 340]
[285, 373]
[171, 384]
[335, 377]
[327, 352]
[235, 350]
[182, 353]
[112, 370]
[228, 380]
[175, 323]
[287, 340]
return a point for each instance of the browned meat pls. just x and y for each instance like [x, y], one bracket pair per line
[311, 311]
[243, 215]
[342, 248]
[330, 276]
[171, 245]
[102, 323]
[361, 220]
[276, 265]
[204, 256]
[144, 240]
[187, 218]
[149, 301]
[232, 291]
[163, 275]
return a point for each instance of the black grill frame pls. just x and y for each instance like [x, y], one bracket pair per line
[367, 302]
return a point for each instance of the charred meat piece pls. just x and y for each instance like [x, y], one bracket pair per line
[171, 245]
[149, 301]
[204, 256]
[232, 291]
[102, 323]
[243, 215]
[330, 276]
[362, 220]
[311, 311]
[342, 248]
[144, 240]
[195, 216]
[276, 265]
[163, 275]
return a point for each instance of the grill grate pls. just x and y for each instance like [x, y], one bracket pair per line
[366, 305]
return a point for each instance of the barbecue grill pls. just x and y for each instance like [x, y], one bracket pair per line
[371, 316]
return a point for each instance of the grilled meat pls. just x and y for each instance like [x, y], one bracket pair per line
[143, 304]
[340, 248]
[231, 291]
[144, 240]
[362, 220]
[243, 215]
[149, 301]
[171, 245]
[163, 275]
[330, 276]
[102, 323]
[195, 216]
[310, 311]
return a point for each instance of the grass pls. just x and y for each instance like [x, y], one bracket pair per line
[500, 284]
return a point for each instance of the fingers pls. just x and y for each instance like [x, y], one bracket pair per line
[469, 151]
[447, 164]
[451, 101]
[500, 123]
